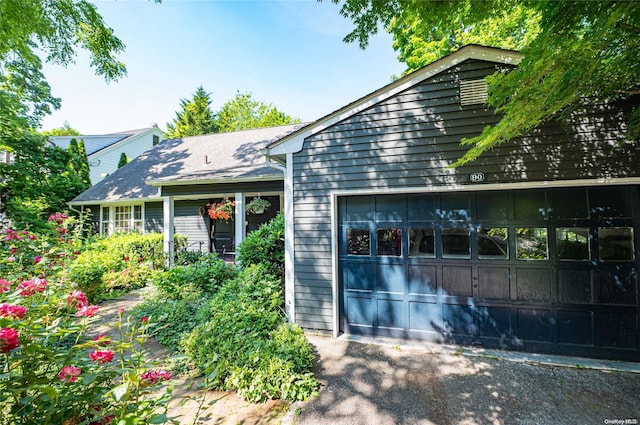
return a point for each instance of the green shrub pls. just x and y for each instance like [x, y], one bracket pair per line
[206, 274]
[244, 344]
[264, 246]
[175, 318]
[96, 270]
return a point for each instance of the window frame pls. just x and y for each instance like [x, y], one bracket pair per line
[109, 226]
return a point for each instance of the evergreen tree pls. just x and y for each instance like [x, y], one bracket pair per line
[84, 171]
[194, 118]
[123, 160]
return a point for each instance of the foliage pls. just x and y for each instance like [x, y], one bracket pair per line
[79, 163]
[56, 29]
[195, 117]
[257, 205]
[41, 179]
[572, 51]
[51, 372]
[64, 130]
[244, 344]
[242, 113]
[205, 276]
[118, 263]
[123, 160]
[264, 246]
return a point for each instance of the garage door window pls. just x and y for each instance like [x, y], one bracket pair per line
[358, 242]
[390, 242]
[422, 243]
[616, 243]
[493, 243]
[456, 243]
[531, 243]
[572, 243]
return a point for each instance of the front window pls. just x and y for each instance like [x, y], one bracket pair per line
[121, 219]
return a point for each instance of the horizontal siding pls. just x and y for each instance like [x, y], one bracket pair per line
[153, 217]
[224, 188]
[189, 222]
[408, 141]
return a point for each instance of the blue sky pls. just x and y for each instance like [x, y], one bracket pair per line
[289, 53]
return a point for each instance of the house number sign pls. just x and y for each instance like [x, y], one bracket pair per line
[476, 177]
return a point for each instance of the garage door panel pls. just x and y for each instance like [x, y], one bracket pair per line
[574, 286]
[391, 314]
[425, 316]
[359, 311]
[617, 286]
[534, 324]
[619, 330]
[359, 276]
[493, 283]
[575, 327]
[456, 281]
[422, 279]
[392, 278]
[458, 320]
[533, 284]
[495, 322]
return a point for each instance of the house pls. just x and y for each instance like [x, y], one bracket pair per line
[532, 247]
[164, 189]
[104, 151]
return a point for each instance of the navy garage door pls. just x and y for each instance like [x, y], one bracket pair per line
[546, 270]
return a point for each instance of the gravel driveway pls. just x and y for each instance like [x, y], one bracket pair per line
[371, 384]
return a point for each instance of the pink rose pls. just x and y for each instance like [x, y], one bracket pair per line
[87, 311]
[8, 339]
[13, 311]
[151, 377]
[11, 259]
[5, 285]
[77, 299]
[37, 259]
[69, 374]
[102, 357]
[30, 287]
[144, 319]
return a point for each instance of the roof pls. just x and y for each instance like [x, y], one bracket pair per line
[209, 159]
[95, 143]
[294, 141]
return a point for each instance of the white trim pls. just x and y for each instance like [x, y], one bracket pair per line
[115, 202]
[196, 181]
[334, 194]
[112, 222]
[168, 230]
[294, 142]
[239, 223]
[289, 243]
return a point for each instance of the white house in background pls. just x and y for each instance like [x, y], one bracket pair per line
[104, 150]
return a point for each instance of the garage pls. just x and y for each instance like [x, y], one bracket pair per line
[546, 270]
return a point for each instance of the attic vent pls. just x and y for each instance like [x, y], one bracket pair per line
[473, 92]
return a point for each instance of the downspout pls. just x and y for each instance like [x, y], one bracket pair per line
[289, 276]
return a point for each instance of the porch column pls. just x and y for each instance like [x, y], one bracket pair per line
[289, 243]
[241, 217]
[167, 214]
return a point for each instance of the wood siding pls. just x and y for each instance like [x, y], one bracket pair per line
[153, 221]
[408, 141]
[188, 222]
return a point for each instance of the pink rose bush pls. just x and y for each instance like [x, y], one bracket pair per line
[69, 377]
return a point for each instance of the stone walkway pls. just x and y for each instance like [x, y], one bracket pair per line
[190, 405]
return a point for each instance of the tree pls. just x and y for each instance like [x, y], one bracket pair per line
[242, 112]
[123, 160]
[79, 164]
[56, 28]
[65, 130]
[194, 118]
[574, 52]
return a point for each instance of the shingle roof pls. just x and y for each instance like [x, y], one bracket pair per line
[95, 143]
[215, 157]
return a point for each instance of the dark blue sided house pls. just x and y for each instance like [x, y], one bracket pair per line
[532, 247]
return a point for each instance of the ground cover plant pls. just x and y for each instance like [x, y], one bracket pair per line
[51, 372]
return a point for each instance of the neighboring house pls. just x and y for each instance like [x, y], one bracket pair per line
[164, 188]
[533, 247]
[104, 151]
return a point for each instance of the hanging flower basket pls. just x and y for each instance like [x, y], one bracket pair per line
[257, 205]
[219, 210]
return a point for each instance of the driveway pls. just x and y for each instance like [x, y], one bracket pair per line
[365, 384]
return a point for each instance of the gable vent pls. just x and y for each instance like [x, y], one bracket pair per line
[473, 92]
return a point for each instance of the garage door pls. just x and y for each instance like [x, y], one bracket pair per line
[552, 271]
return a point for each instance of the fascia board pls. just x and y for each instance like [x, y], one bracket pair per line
[160, 183]
[294, 142]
